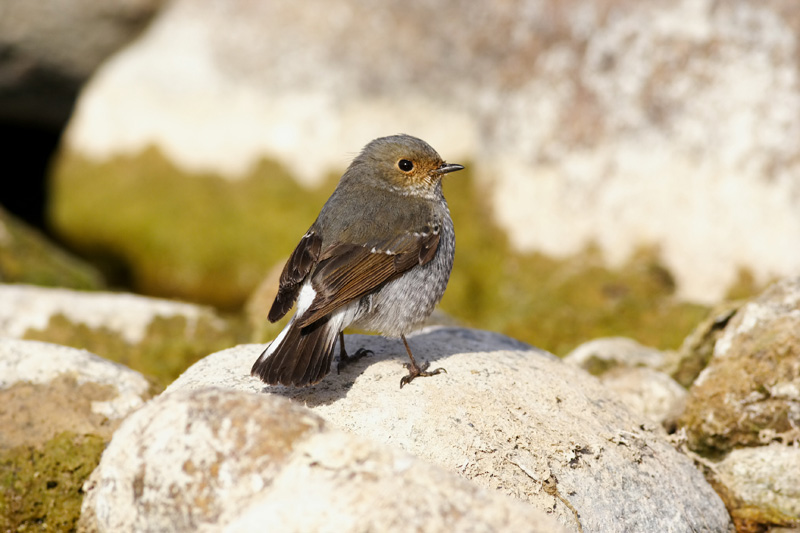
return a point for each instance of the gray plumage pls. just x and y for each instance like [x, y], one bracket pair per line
[400, 306]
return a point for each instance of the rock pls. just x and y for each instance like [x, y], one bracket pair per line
[51, 48]
[58, 409]
[40, 486]
[649, 393]
[743, 410]
[508, 417]
[214, 460]
[158, 337]
[47, 389]
[26, 256]
[600, 355]
[632, 371]
[698, 347]
[619, 119]
[749, 394]
[761, 486]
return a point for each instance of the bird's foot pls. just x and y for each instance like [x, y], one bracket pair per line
[415, 371]
[345, 360]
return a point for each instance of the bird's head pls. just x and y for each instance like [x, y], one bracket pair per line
[402, 163]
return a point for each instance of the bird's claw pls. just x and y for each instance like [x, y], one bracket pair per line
[419, 371]
[345, 359]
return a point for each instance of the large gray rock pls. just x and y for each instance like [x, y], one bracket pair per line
[217, 460]
[48, 49]
[508, 417]
[630, 123]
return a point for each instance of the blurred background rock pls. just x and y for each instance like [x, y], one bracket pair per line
[47, 52]
[629, 164]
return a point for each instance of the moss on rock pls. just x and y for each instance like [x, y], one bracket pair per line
[27, 256]
[170, 345]
[41, 486]
[748, 393]
[210, 239]
[698, 348]
[202, 238]
[747, 397]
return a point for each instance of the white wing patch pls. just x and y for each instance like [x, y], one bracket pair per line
[306, 297]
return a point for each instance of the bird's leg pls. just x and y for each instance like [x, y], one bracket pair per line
[415, 371]
[345, 359]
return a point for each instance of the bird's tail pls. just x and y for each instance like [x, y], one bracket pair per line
[299, 356]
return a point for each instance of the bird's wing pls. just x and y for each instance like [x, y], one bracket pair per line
[346, 271]
[300, 263]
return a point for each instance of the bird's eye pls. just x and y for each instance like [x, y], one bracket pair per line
[405, 165]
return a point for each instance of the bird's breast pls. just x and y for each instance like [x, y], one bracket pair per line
[403, 304]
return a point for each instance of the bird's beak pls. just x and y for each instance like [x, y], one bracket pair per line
[445, 168]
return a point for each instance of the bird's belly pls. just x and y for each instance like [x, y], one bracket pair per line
[402, 305]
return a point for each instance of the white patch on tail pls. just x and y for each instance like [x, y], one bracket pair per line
[275, 343]
[304, 300]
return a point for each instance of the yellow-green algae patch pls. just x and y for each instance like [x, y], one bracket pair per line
[41, 486]
[197, 237]
[698, 348]
[169, 346]
[208, 239]
[50, 442]
[746, 398]
[27, 256]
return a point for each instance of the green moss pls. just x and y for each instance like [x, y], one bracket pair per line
[746, 286]
[556, 304]
[597, 366]
[40, 488]
[197, 237]
[733, 406]
[169, 346]
[26, 256]
[204, 238]
[698, 348]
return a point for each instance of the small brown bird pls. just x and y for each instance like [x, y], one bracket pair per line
[378, 258]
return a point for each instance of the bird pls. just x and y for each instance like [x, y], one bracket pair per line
[378, 258]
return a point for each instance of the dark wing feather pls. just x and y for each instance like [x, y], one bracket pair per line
[346, 272]
[428, 249]
[300, 263]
